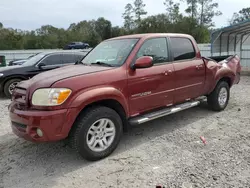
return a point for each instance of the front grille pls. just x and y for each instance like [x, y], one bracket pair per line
[19, 125]
[19, 97]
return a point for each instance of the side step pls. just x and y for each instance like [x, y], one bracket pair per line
[163, 112]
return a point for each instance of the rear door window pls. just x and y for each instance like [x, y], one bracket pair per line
[182, 48]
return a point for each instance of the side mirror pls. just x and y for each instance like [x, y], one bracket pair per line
[41, 65]
[143, 62]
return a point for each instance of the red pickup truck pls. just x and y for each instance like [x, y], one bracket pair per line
[123, 81]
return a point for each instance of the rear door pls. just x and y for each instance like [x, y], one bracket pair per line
[189, 69]
[152, 87]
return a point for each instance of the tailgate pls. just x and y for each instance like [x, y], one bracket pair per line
[233, 62]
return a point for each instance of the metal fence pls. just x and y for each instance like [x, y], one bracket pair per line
[204, 48]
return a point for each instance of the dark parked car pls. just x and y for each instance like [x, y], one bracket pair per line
[11, 76]
[76, 45]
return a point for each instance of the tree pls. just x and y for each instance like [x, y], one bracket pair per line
[207, 12]
[117, 31]
[85, 31]
[139, 10]
[103, 28]
[155, 24]
[191, 26]
[242, 15]
[192, 8]
[173, 10]
[197, 23]
[128, 17]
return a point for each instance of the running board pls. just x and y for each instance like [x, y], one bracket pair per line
[164, 112]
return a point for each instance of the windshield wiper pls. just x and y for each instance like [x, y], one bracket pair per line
[102, 63]
[80, 62]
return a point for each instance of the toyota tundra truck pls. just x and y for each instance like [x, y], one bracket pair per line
[123, 81]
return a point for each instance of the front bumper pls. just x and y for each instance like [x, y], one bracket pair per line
[55, 125]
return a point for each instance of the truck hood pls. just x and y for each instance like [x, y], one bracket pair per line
[46, 79]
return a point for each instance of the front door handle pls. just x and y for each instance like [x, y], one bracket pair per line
[168, 72]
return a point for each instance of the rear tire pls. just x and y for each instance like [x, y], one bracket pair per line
[9, 86]
[218, 99]
[96, 133]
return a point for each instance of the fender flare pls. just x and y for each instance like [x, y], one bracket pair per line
[220, 74]
[93, 95]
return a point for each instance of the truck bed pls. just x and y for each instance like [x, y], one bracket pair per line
[220, 58]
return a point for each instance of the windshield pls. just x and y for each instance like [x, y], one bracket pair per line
[113, 52]
[33, 60]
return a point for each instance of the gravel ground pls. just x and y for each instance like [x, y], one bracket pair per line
[167, 151]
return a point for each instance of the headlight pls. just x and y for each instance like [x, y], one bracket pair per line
[50, 96]
[1, 74]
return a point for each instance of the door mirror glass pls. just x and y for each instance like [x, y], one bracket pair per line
[143, 62]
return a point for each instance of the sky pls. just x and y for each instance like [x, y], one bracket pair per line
[32, 14]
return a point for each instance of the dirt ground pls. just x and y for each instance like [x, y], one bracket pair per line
[167, 151]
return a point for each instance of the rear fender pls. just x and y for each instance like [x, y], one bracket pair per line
[223, 73]
[98, 94]
[228, 69]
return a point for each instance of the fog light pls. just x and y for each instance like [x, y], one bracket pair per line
[39, 132]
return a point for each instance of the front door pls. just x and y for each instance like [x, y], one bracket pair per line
[189, 70]
[152, 87]
[50, 62]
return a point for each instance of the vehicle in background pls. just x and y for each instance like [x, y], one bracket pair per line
[77, 45]
[123, 81]
[11, 76]
[20, 61]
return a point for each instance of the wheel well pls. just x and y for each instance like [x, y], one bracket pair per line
[113, 104]
[226, 79]
[10, 78]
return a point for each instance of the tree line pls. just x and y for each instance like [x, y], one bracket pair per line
[197, 20]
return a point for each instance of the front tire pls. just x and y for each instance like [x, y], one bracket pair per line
[96, 133]
[9, 87]
[218, 99]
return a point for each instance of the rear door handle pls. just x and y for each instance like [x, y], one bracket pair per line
[199, 67]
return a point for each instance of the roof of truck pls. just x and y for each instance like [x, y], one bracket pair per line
[149, 35]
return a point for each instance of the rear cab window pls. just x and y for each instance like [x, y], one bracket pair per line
[182, 48]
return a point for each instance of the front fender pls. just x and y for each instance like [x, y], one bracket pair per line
[97, 94]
